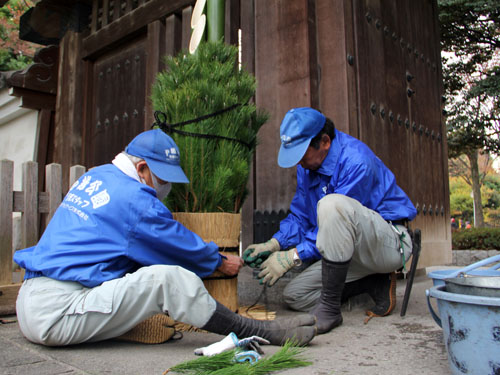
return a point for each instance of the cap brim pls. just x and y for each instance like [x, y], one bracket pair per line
[291, 156]
[167, 172]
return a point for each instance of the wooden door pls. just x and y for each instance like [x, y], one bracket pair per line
[373, 66]
[399, 89]
[118, 101]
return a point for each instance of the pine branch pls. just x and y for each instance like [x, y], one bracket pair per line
[289, 356]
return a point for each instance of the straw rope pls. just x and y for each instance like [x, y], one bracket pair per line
[161, 328]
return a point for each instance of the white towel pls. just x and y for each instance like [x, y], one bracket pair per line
[124, 164]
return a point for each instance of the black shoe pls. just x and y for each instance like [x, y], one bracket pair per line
[383, 293]
[299, 328]
[327, 311]
[355, 288]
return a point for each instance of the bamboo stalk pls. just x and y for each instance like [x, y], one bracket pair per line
[215, 20]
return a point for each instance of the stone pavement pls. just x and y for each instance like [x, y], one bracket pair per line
[393, 345]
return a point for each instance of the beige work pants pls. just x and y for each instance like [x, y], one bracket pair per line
[348, 230]
[52, 312]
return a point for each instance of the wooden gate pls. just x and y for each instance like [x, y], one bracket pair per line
[373, 66]
[123, 53]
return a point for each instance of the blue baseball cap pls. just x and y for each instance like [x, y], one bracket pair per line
[298, 127]
[160, 153]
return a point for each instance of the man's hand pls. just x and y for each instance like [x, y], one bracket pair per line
[276, 266]
[255, 254]
[231, 265]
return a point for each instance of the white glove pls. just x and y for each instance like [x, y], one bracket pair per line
[230, 342]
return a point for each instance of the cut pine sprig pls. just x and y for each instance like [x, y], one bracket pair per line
[289, 356]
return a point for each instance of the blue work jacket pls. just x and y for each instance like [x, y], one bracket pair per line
[351, 169]
[110, 224]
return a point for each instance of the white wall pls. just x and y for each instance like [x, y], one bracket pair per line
[18, 133]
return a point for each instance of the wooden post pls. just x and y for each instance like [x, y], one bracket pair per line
[105, 13]
[29, 218]
[186, 26]
[29, 221]
[6, 205]
[75, 172]
[173, 35]
[95, 10]
[53, 178]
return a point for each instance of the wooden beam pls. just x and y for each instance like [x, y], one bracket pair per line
[117, 5]
[247, 24]
[18, 202]
[313, 54]
[105, 12]
[155, 50]
[232, 23]
[70, 100]
[95, 13]
[248, 35]
[130, 24]
[34, 99]
[45, 119]
[186, 27]
[173, 35]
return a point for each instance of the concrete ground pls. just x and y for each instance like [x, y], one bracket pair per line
[393, 345]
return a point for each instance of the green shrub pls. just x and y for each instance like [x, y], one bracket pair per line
[476, 239]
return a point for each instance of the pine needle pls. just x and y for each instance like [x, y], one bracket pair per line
[205, 365]
[222, 364]
[196, 85]
[287, 357]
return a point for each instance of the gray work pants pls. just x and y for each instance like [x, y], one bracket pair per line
[52, 312]
[348, 230]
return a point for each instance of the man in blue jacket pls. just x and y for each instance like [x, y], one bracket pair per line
[112, 256]
[347, 211]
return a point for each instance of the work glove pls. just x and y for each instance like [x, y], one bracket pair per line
[231, 341]
[255, 254]
[276, 266]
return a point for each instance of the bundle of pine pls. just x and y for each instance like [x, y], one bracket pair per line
[205, 102]
[289, 356]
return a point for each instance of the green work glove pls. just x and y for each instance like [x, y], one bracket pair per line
[276, 266]
[255, 254]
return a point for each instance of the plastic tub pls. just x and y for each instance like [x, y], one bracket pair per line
[471, 330]
[438, 276]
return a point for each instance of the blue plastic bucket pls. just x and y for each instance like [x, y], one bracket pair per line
[471, 330]
[438, 276]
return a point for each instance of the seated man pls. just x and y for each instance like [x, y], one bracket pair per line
[112, 256]
[347, 211]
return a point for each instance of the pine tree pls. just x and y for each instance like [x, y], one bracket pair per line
[201, 84]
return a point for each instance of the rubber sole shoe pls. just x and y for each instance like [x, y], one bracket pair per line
[383, 294]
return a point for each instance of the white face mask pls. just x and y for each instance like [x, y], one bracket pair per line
[162, 190]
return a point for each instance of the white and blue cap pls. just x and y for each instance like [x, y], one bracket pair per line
[160, 153]
[298, 127]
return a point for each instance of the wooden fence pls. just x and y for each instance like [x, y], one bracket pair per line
[36, 209]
